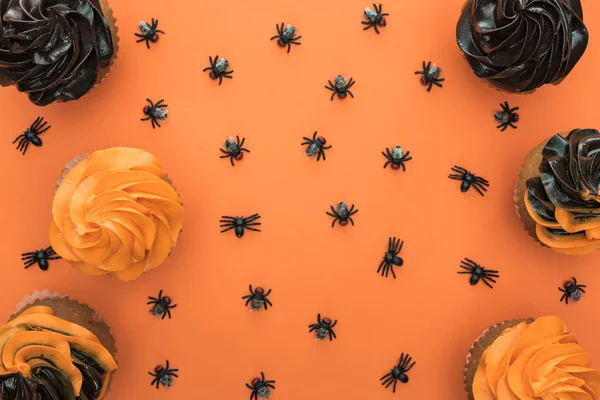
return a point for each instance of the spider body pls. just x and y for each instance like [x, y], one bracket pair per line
[240, 224]
[148, 32]
[285, 36]
[155, 112]
[342, 214]
[431, 75]
[161, 306]
[257, 299]
[507, 117]
[218, 69]
[316, 145]
[32, 135]
[390, 258]
[323, 328]
[398, 373]
[340, 87]
[469, 180]
[260, 387]
[397, 157]
[234, 149]
[478, 273]
[374, 18]
[163, 375]
[572, 290]
[39, 257]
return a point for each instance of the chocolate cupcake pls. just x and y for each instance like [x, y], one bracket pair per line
[520, 45]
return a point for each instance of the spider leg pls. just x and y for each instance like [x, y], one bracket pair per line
[376, 29]
[268, 302]
[226, 75]
[394, 387]
[249, 300]
[437, 83]
[158, 31]
[478, 190]
[29, 263]
[513, 126]
[246, 150]
[381, 266]
[142, 38]
[238, 141]
[469, 261]
[312, 329]
[220, 79]
[385, 376]
[148, 43]
[430, 86]
[225, 230]
[389, 383]
[249, 387]
[392, 270]
[484, 279]
[351, 221]
[369, 25]
[18, 137]
[410, 367]
[252, 229]
[350, 93]
[168, 312]
[231, 160]
[225, 152]
[403, 167]
[289, 47]
[25, 148]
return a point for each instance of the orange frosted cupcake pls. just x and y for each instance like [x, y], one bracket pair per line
[115, 212]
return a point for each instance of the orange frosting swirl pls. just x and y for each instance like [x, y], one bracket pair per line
[116, 213]
[540, 360]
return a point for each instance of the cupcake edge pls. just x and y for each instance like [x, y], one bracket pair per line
[114, 34]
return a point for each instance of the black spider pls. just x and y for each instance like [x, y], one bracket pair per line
[161, 305]
[506, 117]
[469, 179]
[391, 257]
[234, 149]
[149, 33]
[342, 214]
[571, 290]
[323, 328]
[31, 135]
[40, 257]
[397, 157]
[260, 387]
[316, 145]
[155, 112]
[163, 376]
[374, 18]
[398, 373]
[478, 273]
[218, 69]
[285, 37]
[431, 75]
[239, 224]
[257, 298]
[340, 87]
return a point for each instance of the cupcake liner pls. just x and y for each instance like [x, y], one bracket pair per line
[114, 31]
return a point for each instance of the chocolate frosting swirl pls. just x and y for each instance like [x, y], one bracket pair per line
[53, 49]
[520, 45]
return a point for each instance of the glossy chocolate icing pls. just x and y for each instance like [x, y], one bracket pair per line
[53, 49]
[520, 45]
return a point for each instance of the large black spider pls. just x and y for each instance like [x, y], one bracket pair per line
[398, 373]
[397, 157]
[340, 87]
[285, 37]
[218, 69]
[391, 259]
[571, 290]
[260, 387]
[155, 112]
[240, 224]
[506, 117]
[316, 145]
[149, 33]
[478, 273]
[161, 305]
[323, 328]
[431, 75]
[374, 18]
[234, 149]
[163, 376]
[342, 214]
[40, 257]
[31, 135]
[469, 179]
[257, 299]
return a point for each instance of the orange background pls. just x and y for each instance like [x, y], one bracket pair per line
[274, 100]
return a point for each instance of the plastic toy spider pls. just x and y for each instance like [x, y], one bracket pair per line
[41, 257]
[506, 117]
[285, 37]
[260, 387]
[155, 112]
[391, 259]
[374, 18]
[31, 135]
[396, 157]
[234, 149]
[163, 376]
[342, 214]
[240, 224]
[571, 290]
[316, 145]
[341, 88]
[257, 299]
[218, 69]
[469, 179]
[478, 273]
[431, 75]
[149, 33]
[398, 373]
[323, 328]
[161, 305]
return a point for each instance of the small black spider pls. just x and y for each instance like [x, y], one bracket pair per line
[323, 328]
[155, 112]
[341, 88]
[31, 135]
[374, 18]
[571, 290]
[469, 179]
[316, 145]
[431, 75]
[234, 149]
[161, 305]
[391, 257]
[149, 33]
[285, 37]
[398, 373]
[342, 214]
[397, 157]
[40, 257]
[257, 299]
[506, 117]
[163, 376]
[478, 273]
[239, 224]
[260, 387]
[218, 69]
